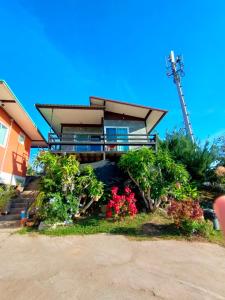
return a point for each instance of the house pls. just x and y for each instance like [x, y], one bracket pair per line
[18, 134]
[102, 130]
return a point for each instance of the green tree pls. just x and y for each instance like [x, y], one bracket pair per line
[197, 159]
[6, 193]
[155, 174]
[65, 189]
[220, 142]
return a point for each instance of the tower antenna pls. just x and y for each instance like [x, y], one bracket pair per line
[175, 68]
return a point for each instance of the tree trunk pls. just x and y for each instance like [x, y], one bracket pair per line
[87, 206]
[151, 205]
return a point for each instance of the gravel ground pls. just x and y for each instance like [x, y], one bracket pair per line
[108, 267]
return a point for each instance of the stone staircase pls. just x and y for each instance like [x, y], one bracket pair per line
[19, 203]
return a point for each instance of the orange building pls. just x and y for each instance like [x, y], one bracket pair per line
[18, 134]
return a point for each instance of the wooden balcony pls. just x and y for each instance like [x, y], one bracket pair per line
[92, 146]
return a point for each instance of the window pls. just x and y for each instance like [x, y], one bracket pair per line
[117, 135]
[3, 134]
[21, 138]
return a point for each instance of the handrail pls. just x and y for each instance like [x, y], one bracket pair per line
[105, 142]
[53, 136]
[98, 134]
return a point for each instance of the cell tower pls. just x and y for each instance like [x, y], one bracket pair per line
[175, 68]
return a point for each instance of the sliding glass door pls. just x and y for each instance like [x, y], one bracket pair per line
[117, 135]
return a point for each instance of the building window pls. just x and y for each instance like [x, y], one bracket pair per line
[21, 138]
[3, 134]
[117, 135]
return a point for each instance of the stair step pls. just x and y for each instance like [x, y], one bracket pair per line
[21, 200]
[9, 224]
[29, 193]
[16, 210]
[17, 205]
[10, 217]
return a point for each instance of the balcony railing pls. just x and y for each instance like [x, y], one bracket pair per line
[93, 142]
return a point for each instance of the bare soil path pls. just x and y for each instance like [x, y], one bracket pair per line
[108, 267]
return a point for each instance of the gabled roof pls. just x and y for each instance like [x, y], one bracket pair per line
[57, 115]
[151, 115]
[16, 111]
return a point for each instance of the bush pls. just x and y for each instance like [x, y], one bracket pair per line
[185, 191]
[121, 206]
[196, 158]
[185, 214]
[59, 209]
[154, 174]
[6, 193]
[200, 227]
[220, 174]
[65, 190]
[188, 217]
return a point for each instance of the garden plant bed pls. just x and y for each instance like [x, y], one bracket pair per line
[143, 226]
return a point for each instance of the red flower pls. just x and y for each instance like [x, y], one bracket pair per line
[121, 205]
[108, 214]
[114, 190]
[127, 190]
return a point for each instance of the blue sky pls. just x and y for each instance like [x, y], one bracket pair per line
[65, 51]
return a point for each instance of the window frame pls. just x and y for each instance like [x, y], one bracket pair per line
[6, 136]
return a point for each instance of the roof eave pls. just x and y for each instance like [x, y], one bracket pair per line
[126, 103]
[24, 110]
[68, 106]
[156, 123]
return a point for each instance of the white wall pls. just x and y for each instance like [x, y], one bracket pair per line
[7, 178]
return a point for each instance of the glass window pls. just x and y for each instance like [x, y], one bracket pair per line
[3, 134]
[21, 138]
[123, 138]
[118, 135]
[82, 138]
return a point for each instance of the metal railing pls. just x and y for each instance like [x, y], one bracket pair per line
[93, 142]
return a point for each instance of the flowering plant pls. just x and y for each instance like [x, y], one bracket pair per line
[220, 174]
[121, 205]
[182, 211]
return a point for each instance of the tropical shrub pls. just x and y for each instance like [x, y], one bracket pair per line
[59, 210]
[186, 214]
[121, 205]
[200, 227]
[6, 193]
[183, 192]
[220, 174]
[196, 158]
[31, 171]
[154, 174]
[66, 191]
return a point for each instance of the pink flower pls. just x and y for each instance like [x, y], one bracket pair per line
[114, 190]
[121, 205]
[127, 190]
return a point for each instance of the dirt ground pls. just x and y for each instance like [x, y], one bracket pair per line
[108, 267]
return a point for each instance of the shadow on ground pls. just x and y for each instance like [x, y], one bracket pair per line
[148, 230]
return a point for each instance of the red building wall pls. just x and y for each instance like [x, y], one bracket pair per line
[14, 156]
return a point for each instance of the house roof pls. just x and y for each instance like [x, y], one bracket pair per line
[57, 115]
[151, 115]
[61, 114]
[16, 111]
